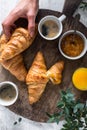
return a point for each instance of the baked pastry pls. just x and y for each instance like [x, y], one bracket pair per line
[19, 41]
[3, 42]
[55, 72]
[14, 65]
[36, 78]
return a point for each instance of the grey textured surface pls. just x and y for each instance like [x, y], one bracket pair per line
[7, 118]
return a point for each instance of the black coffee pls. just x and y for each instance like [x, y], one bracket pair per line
[50, 29]
[7, 92]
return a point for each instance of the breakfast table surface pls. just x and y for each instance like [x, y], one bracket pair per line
[7, 117]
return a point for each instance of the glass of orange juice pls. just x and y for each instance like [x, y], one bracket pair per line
[79, 79]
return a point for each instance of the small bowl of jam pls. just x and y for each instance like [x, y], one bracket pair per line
[8, 93]
[72, 44]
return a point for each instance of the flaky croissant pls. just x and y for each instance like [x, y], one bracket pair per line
[3, 42]
[14, 65]
[19, 41]
[36, 78]
[55, 72]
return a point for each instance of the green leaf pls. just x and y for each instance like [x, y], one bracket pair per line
[48, 115]
[66, 111]
[70, 95]
[83, 5]
[57, 120]
[62, 93]
[79, 106]
[51, 120]
[60, 104]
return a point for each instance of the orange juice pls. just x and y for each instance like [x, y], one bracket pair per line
[79, 79]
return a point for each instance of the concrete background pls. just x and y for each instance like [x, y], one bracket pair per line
[7, 118]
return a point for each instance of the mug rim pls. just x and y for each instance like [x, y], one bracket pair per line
[57, 22]
[84, 49]
[8, 103]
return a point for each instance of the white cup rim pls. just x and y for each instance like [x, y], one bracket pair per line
[85, 43]
[55, 19]
[8, 103]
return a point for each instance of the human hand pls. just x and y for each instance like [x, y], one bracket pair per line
[25, 9]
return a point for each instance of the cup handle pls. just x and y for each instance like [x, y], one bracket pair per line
[1, 83]
[62, 17]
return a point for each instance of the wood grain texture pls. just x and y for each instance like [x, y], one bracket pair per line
[48, 101]
[70, 6]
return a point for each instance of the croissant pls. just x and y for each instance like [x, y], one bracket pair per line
[14, 65]
[19, 41]
[3, 42]
[55, 72]
[36, 78]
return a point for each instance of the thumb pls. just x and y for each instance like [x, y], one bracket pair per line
[31, 25]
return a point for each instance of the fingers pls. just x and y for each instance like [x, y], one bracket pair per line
[6, 31]
[31, 25]
[8, 23]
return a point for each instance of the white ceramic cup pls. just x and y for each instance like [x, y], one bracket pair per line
[12, 101]
[58, 21]
[84, 49]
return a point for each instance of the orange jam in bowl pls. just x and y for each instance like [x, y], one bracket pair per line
[72, 45]
[79, 79]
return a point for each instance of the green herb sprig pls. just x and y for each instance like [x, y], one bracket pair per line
[83, 5]
[72, 111]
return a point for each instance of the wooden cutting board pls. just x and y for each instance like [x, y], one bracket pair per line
[70, 6]
[47, 102]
